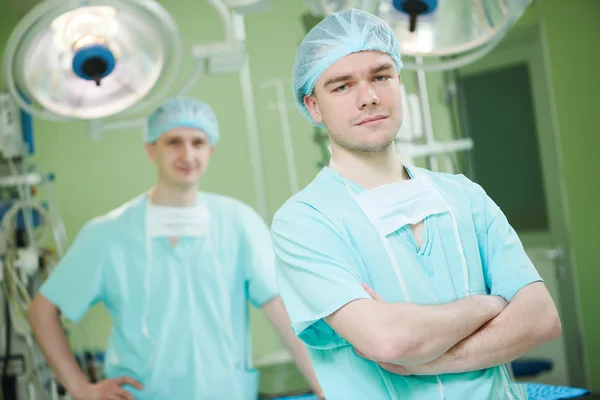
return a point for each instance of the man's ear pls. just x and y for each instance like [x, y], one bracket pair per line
[151, 151]
[313, 108]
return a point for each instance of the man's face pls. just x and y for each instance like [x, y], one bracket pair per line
[359, 100]
[182, 156]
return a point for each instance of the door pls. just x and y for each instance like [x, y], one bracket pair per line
[505, 108]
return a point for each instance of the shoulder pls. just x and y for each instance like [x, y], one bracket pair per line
[112, 224]
[228, 208]
[322, 195]
[325, 200]
[461, 193]
[455, 185]
[235, 220]
[446, 179]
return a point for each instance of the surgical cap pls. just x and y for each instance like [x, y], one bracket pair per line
[332, 39]
[182, 112]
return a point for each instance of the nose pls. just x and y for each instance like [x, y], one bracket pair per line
[188, 152]
[367, 96]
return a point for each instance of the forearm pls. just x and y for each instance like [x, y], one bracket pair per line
[529, 320]
[431, 331]
[45, 322]
[279, 318]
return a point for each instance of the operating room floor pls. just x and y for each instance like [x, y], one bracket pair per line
[283, 381]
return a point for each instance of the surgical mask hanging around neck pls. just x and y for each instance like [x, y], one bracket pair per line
[164, 221]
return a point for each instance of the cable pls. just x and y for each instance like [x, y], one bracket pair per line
[17, 296]
[10, 222]
[24, 195]
[8, 341]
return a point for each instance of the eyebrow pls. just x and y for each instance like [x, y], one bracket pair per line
[194, 138]
[343, 78]
[337, 79]
[382, 67]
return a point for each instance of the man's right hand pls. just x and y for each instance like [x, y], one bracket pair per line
[109, 389]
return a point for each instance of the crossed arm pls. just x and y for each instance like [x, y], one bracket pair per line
[465, 335]
[528, 321]
[411, 334]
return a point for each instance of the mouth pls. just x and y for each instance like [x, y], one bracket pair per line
[185, 170]
[372, 120]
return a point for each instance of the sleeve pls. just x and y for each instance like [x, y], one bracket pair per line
[259, 268]
[507, 267]
[76, 283]
[317, 273]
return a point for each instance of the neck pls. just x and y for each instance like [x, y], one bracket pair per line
[164, 194]
[369, 170]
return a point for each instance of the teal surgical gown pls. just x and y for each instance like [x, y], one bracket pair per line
[197, 344]
[326, 248]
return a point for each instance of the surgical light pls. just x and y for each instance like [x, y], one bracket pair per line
[438, 34]
[91, 59]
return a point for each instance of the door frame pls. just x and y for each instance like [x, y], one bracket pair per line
[527, 46]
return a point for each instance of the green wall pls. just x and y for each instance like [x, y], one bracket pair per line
[572, 31]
